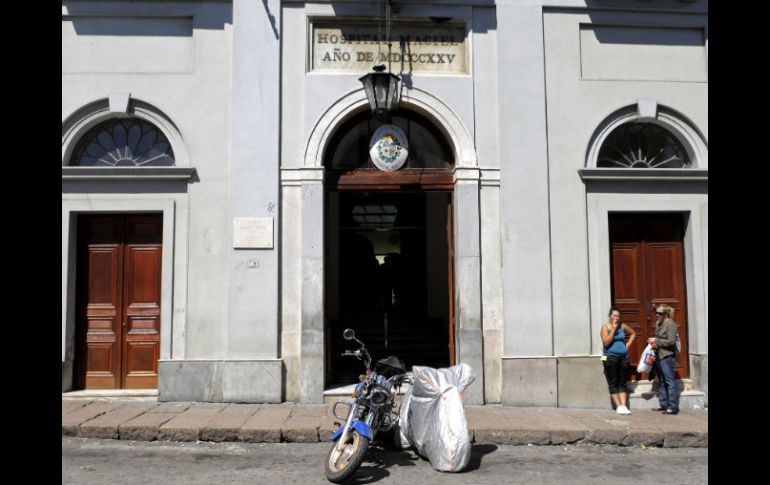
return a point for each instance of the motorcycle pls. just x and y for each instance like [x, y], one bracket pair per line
[371, 411]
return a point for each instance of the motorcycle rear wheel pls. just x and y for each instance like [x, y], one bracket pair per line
[345, 458]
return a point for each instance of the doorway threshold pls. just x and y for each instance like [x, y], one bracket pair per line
[340, 390]
[345, 393]
[129, 394]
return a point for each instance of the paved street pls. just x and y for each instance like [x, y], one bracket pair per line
[99, 461]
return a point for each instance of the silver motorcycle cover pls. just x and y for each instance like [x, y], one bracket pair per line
[432, 417]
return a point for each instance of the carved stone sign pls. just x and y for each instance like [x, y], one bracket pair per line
[416, 47]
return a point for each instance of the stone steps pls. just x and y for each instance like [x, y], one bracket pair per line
[644, 395]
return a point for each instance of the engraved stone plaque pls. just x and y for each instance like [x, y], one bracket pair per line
[253, 233]
[348, 46]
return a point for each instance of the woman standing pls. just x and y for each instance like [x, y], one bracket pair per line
[664, 343]
[615, 359]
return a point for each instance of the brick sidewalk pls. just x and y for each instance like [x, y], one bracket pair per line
[305, 423]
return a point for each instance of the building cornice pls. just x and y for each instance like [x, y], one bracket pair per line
[127, 173]
[644, 174]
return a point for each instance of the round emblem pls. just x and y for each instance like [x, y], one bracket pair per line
[389, 148]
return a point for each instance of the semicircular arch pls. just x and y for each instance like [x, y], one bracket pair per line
[422, 102]
[79, 123]
[672, 121]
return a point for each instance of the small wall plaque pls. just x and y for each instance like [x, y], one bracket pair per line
[253, 233]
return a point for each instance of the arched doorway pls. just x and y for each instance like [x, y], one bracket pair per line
[647, 255]
[388, 247]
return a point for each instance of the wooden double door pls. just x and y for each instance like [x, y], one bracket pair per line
[648, 270]
[118, 301]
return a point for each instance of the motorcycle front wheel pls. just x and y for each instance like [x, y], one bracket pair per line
[345, 458]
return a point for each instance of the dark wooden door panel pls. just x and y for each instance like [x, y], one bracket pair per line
[142, 332]
[101, 257]
[647, 269]
[104, 275]
[627, 277]
[118, 327]
[628, 284]
[665, 283]
[667, 287]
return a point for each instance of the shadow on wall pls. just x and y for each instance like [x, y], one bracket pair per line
[164, 20]
[271, 17]
[664, 46]
[647, 35]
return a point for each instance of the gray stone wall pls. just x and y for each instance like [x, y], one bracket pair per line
[531, 239]
[183, 75]
[580, 100]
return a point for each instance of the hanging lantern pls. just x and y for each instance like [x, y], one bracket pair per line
[380, 88]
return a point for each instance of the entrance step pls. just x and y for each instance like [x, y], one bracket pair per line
[107, 394]
[644, 395]
[344, 393]
[646, 385]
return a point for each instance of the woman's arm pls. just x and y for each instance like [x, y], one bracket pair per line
[629, 331]
[606, 336]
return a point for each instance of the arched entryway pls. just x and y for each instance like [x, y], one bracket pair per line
[388, 256]
[647, 259]
[646, 178]
[306, 189]
[119, 290]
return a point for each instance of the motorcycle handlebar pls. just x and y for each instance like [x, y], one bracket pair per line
[361, 354]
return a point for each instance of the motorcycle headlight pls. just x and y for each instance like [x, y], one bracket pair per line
[357, 389]
[379, 395]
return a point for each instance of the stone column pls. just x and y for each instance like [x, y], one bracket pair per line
[252, 338]
[529, 367]
[491, 284]
[312, 324]
[467, 277]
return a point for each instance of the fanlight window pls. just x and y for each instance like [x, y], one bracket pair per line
[349, 147]
[642, 145]
[124, 143]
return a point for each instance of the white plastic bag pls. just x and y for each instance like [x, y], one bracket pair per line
[646, 360]
[432, 417]
[403, 420]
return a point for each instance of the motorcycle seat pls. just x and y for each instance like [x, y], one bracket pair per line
[390, 366]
